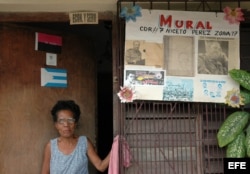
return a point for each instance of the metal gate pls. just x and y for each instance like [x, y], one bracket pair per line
[171, 137]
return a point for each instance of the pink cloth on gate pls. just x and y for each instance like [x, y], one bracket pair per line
[126, 153]
[114, 155]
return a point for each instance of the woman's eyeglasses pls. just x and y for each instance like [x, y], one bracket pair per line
[64, 120]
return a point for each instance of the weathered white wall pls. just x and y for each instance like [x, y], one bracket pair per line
[57, 5]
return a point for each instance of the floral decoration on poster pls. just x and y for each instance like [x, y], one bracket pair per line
[130, 13]
[234, 99]
[234, 16]
[126, 94]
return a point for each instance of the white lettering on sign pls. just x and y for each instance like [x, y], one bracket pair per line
[236, 165]
[83, 18]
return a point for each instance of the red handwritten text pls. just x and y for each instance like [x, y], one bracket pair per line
[188, 24]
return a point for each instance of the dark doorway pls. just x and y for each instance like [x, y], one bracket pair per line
[104, 89]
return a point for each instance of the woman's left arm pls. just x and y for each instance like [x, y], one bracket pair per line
[100, 165]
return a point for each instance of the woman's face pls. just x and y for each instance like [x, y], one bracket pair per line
[65, 123]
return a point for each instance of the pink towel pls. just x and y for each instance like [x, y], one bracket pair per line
[126, 153]
[114, 155]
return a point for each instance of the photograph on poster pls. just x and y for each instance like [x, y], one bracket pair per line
[179, 55]
[212, 88]
[143, 53]
[212, 57]
[177, 89]
[144, 77]
[134, 53]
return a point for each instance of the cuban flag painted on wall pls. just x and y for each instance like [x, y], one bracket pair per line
[51, 77]
[48, 43]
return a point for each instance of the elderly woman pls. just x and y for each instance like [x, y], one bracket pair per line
[68, 153]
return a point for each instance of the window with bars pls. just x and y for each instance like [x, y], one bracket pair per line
[173, 138]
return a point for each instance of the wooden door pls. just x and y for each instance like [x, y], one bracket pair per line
[25, 120]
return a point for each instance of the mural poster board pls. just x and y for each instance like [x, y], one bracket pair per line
[181, 56]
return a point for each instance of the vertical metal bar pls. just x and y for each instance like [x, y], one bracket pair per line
[173, 136]
[220, 5]
[198, 138]
[176, 144]
[136, 124]
[151, 5]
[119, 64]
[183, 145]
[190, 142]
[203, 5]
[210, 146]
[215, 149]
[153, 135]
[182, 125]
[165, 136]
[161, 137]
[191, 125]
[179, 139]
[208, 138]
[170, 137]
